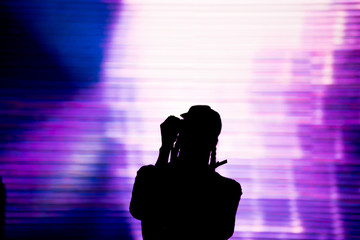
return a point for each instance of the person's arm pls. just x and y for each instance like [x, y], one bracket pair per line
[169, 131]
[147, 180]
[163, 157]
[139, 204]
[226, 224]
[148, 192]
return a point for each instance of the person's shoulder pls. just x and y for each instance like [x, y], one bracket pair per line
[150, 170]
[229, 184]
[145, 170]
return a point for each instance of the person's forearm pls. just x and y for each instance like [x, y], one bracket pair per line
[163, 158]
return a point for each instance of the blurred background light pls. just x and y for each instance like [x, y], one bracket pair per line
[87, 83]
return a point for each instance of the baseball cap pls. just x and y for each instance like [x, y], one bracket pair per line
[205, 117]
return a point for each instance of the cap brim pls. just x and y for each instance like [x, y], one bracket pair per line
[183, 115]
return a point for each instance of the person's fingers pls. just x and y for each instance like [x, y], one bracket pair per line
[171, 120]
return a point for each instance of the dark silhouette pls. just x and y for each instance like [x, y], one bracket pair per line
[185, 198]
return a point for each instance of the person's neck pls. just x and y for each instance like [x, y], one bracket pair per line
[194, 152]
[195, 160]
[191, 170]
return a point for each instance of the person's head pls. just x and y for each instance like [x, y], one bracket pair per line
[199, 133]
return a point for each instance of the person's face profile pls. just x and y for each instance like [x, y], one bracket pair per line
[191, 132]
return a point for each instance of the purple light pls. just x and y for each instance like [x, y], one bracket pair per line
[284, 78]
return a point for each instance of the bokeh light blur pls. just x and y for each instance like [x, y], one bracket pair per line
[86, 85]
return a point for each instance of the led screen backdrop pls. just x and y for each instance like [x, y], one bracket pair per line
[85, 85]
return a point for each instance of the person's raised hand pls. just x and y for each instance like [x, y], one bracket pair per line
[169, 131]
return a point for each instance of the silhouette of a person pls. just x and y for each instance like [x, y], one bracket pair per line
[185, 198]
